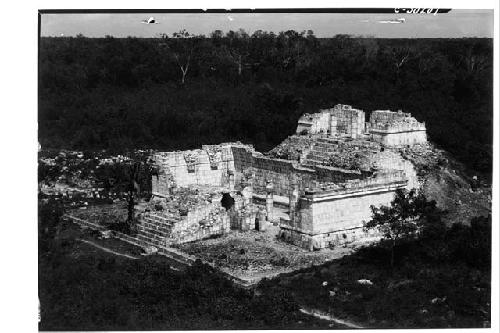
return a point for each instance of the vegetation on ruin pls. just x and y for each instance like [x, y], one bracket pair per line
[121, 93]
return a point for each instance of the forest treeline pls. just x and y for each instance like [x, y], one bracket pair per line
[181, 91]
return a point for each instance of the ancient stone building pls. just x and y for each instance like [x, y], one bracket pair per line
[341, 120]
[328, 174]
[333, 214]
[395, 129]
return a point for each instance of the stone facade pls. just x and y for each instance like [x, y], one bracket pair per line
[334, 214]
[341, 120]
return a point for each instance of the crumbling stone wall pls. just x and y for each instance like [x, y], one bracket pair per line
[210, 165]
[346, 121]
[280, 172]
[392, 160]
[314, 123]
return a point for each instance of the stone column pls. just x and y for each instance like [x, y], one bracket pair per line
[294, 199]
[269, 200]
[261, 217]
[230, 174]
[247, 194]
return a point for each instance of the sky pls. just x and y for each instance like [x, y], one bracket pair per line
[455, 24]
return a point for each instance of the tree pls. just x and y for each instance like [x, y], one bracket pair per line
[182, 47]
[408, 214]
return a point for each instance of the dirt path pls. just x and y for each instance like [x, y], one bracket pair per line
[105, 249]
[325, 316]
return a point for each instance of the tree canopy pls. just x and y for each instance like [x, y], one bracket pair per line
[178, 92]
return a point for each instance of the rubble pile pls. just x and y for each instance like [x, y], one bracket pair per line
[188, 214]
[77, 178]
[424, 157]
[184, 199]
[292, 147]
[345, 154]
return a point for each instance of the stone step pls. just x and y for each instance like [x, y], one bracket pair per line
[151, 241]
[153, 231]
[150, 234]
[160, 219]
[159, 227]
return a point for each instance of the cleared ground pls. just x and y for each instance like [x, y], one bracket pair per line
[253, 255]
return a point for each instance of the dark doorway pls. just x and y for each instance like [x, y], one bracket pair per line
[227, 201]
[257, 224]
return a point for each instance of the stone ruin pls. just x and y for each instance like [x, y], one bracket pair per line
[393, 129]
[327, 175]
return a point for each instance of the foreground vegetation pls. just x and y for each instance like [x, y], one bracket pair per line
[436, 277]
[93, 290]
[439, 279]
[180, 93]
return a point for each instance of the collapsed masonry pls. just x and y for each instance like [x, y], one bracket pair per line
[328, 175]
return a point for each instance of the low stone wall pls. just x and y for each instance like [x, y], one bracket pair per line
[321, 241]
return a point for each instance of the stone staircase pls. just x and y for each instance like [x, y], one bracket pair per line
[320, 151]
[154, 229]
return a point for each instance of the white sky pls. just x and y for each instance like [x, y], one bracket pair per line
[457, 23]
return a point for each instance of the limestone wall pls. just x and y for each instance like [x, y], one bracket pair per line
[346, 212]
[347, 121]
[324, 215]
[398, 139]
[329, 240]
[395, 129]
[206, 166]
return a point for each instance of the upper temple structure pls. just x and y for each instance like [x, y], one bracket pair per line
[386, 127]
[324, 180]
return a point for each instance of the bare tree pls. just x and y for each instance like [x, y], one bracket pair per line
[473, 62]
[181, 46]
[400, 57]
